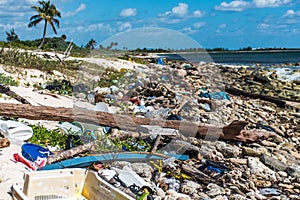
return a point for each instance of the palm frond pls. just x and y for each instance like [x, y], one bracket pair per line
[35, 17]
[53, 27]
[56, 22]
[35, 22]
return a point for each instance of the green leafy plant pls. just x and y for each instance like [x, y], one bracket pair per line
[110, 77]
[44, 137]
[132, 144]
[7, 80]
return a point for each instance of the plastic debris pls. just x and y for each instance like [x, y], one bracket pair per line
[32, 152]
[213, 166]
[270, 191]
[15, 131]
[174, 117]
[160, 61]
[213, 95]
[268, 128]
[206, 107]
[173, 184]
[129, 177]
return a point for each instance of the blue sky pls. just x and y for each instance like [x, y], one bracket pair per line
[209, 23]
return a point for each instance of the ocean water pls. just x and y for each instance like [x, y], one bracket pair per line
[239, 58]
[268, 60]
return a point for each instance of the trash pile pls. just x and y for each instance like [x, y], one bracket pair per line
[159, 162]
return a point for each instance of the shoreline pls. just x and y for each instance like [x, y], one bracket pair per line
[240, 159]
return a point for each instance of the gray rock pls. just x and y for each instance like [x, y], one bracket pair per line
[220, 197]
[273, 163]
[214, 190]
[293, 170]
[176, 195]
[190, 187]
[256, 195]
[200, 195]
[143, 169]
[259, 169]
[227, 149]
[169, 197]
[160, 193]
[237, 197]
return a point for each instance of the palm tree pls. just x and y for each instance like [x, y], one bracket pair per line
[12, 36]
[47, 13]
[91, 44]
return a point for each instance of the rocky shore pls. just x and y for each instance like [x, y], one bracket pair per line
[216, 169]
[263, 169]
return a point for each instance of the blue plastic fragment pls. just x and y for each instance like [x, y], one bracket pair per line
[109, 157]
[160, 61]
[32, 151]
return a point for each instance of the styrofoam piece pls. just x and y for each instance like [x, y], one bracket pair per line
[100, 106]
[107, 174]
[130, 177]
[16, 130]
[153, 129]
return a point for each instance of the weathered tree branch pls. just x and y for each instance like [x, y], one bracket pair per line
[127, 122]
[280, 103]
[4, 89]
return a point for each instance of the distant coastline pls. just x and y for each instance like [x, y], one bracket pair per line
[250, 58]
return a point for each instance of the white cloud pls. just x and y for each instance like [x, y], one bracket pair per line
[199, 24]
[198, 13]
[291, 13]
[188, 30]
[124, 26]
[233, 6]
[179, 14]
[180, 10]
[240, 5]
[221, 27]
[12, 9]
[80, 8]
[270, 3]
[128, 12]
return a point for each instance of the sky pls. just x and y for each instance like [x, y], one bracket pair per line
[231, 24]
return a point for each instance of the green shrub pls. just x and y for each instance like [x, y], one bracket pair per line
[7, 80]
[44, 137]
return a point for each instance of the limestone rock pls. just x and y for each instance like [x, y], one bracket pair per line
[260, 170]
[273, 163]
[237, 197]
[247, 151]
[214, 190]
[293, 170]
[190, 187]
[227, 149]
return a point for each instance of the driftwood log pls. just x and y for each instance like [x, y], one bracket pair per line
[4, 89]
[231, 90]
[71, 153]
[129, 123]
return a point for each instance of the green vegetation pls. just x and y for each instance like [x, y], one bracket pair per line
[7, 80]
[47, 13]
[132, 144]
[12, 36]
[61, 87]
[134, 59]
[44, 137]
[110, 77]
[91, 44]
[28, 60]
